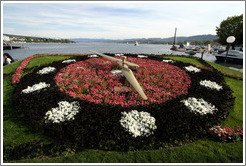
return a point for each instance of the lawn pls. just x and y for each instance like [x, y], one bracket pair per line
[16, 132]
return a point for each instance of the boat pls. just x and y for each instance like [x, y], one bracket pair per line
[233, 56]
[219, 49]
[136, 44]
[174, 48]
[181, 47]
[190, 52]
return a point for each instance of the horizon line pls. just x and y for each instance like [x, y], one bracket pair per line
[108, 38]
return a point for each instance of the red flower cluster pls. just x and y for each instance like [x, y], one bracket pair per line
[232, 75]
[228, 134]
[16, 77]
[204, 67]
[91, 80]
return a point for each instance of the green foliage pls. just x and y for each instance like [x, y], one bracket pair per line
[197, 42]
[45, 60]
[37, 39]
[185, 59]
[232, 26]
[28, 39]
[202, 151]
[234, 117]
[10, 69]
[101, 129]
[16, 131]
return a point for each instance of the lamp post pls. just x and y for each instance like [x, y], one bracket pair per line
[229, 40]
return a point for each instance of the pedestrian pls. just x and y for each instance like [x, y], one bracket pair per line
[7, 59]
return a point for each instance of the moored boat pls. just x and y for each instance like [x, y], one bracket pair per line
[233, 56]
[190, 52]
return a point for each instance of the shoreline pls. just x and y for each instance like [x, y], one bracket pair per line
[112, 48]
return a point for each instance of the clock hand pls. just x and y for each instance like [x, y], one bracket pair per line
[133, 81]
[126, 72]
[132, 65]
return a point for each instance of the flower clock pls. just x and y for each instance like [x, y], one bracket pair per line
[87, 101]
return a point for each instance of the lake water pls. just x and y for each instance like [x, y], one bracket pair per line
[83, 48]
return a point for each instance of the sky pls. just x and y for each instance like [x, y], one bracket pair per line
[116, 20]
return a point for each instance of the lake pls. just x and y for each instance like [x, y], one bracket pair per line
[83, 48]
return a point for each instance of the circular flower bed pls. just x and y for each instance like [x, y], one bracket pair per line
[87, 102]
[92, 80]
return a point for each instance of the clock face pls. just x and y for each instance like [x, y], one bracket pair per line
[99, 80]
[88, 102]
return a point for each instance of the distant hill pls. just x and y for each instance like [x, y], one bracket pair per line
[36, 39]
[196, 38]
[151, 40]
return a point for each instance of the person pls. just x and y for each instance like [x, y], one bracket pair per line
[7, 59]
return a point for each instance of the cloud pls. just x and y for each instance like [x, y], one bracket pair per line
[116, 19]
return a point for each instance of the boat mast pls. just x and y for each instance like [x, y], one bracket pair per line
[174, 37]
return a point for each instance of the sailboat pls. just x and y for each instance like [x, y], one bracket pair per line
[174, 47]
[136, 44]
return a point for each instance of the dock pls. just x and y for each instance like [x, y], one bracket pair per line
[10, 47]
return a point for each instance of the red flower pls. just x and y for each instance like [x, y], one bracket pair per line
[91, 80]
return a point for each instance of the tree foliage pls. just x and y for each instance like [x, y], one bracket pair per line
[232, 26]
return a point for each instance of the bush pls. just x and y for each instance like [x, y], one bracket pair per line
[97, 125]
[227, 134]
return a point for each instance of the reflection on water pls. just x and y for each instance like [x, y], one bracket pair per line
[83, 48]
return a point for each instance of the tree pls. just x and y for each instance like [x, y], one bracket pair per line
[232, 26]
[28, 39]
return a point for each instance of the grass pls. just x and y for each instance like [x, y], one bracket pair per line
[11, 68]
[236, 114]
[185, 60]
[225, 69]
[202, 151]
[16, 132]
[45, 60]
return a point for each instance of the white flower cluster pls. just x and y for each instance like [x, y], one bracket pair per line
[116, 72]
[80, 67]
[35, 87]
[92, 56]
[168, 61]
[138, 123]
[192, 69]
[69, 61]
[142, 56]
[118, 54]
[64, 112]
[199, 105]
[46, 70]
[210, 84]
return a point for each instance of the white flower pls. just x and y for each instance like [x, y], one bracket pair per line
[142, 56]
[138, 123]
[116, 72]
[69, 61]
[92, 56]
[118, 54]
[210, 84]
[192, 69]
[64, 112]
[46, 70]
[199, 105]
[168, 61]
[36, 87]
